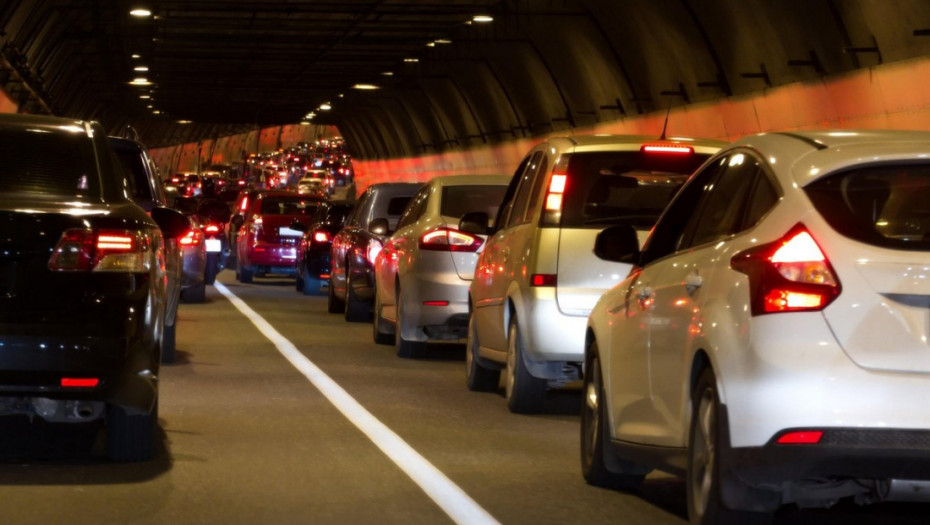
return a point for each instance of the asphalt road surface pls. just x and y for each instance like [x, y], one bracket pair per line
[279, 412]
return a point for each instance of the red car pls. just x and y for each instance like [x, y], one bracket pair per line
[265, 242]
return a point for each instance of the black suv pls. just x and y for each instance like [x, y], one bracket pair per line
[82, 283]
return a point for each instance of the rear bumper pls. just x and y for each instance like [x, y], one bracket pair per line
[425, 315]
[272, 255]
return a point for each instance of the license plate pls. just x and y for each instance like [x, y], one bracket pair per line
[214, 245]
[284, 231]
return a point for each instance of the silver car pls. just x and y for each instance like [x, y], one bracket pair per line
[537, 278]
[424, 269]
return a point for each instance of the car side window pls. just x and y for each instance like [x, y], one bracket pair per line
[537, 191]
[722, 207]
[503, 212]
[359, 208]
[521, 199]
[415, 208]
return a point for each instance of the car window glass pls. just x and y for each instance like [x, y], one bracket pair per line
[414, 208]
[722, 206]
[667, 233]
[359, 209]
[764, 197]
[503, 212]
[536, 190]
[459, 200]
[28, 167]
[522, 197]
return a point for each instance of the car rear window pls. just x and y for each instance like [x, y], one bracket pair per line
[623, 187]
[397, 204]
[886, 206]
[459, 200]
[48, 163]
[288, 206]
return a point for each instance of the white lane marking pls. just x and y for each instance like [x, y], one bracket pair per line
[450, 498]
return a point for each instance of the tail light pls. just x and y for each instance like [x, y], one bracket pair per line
[374, 248]
[543, 279]
[321, 236]
[103, 251]
[791, 274]
[244, 205]
[449, 240]
[79, 382]
[193, 237]
[212, 229]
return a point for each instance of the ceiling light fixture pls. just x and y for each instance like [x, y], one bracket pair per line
[184, 122]
[482, 19]
[411, 59]
[388, 74]
[136, 56]
[326, 106]
[443, 41]
[140, 12]
[365, 87]
[140, 81]
[141, 68]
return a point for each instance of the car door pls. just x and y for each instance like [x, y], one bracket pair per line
[399, 248]
[342, 241]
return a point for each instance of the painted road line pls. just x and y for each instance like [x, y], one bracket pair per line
[450, 498]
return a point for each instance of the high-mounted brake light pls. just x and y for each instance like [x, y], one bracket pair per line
[102, 251]
[672, 149]
[212, 228]
[79, 382]
[244, 205]
[449, 240]
[789, 275]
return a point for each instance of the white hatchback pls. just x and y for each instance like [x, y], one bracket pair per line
[771, 343]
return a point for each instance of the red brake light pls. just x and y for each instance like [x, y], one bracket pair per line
[321, 236]
[212, 228]
[801, 437]
[106, 250]
[672, 149]
[193, 237]
[435, 303]
[449, 240]
[543, 279]
[374, 248]
[244, 205]
[79, 382]
[789, 275]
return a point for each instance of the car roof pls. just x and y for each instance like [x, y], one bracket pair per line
[464, 180]
[606, 142]
[20, 120]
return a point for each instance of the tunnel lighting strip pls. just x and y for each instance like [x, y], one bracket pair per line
[447, 495]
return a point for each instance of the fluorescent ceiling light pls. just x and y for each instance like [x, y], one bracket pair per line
[365, 86]
[140, 12]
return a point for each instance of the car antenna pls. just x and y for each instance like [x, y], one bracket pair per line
[665, 126]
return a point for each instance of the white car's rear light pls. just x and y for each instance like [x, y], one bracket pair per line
[449, 240]
[789, 275]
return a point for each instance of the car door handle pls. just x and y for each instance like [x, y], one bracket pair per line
[645, 297]
[692, 282]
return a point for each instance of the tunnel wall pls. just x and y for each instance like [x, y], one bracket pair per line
[892, 96]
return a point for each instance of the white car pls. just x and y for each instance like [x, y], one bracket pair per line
[537, 279]
[771, 342]
[424, 269]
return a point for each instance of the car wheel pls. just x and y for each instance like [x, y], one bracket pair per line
[525, 393]
[167, 343]
[357, 310]
[334, 304]
[130, 437]
[703, 480]
[246, 275]
[195, 294]
[379, 332]
[212, 268]
[478, 378]
[405, 348]
[599, 465]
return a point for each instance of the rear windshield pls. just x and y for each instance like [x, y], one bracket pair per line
[288, 206]
[56, 163]
[885, 206]
[623, 187]
[459, 200]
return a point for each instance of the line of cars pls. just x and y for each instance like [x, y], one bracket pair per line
[749, 316]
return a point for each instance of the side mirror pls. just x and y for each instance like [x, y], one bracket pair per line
[172, 223]
[299, 226]
[379, 226]
[475, 222]
[618, 243]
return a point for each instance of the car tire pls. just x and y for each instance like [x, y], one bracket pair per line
[478, 378]
[130, 437]
[405, 348]
[599, 466]
[212, 268]
[525, 393]
[379, 332]
[168, 343]
[704, 474]
[195, 294]
[245, 275]
[334, 305]
[356, 310]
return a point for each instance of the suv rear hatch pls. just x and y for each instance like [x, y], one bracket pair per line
[603, 189]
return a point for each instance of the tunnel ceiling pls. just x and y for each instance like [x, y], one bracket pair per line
[444, 80]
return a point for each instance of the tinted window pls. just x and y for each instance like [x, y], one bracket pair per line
[137, 178]
[724, 202]
[459, 200]
[396, 205]
[61, 164]
[288, 206]
[415, 207]
[883, 206]
[629, 187]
